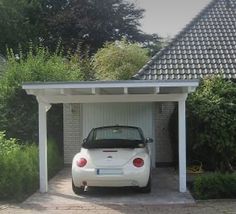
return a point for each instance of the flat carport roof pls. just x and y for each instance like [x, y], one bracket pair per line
[48, 93]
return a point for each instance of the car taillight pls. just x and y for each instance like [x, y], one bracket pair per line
[138, 162]
[81, 162]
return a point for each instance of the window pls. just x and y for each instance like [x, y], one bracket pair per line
[121, 133]
[115, 137]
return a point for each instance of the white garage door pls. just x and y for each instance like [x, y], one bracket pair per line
[132, 114]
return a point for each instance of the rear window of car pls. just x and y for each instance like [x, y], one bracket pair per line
[115, 137]
[121, 133]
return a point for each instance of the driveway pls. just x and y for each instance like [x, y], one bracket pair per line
[209, 207]
[164, 191]
[164, 199]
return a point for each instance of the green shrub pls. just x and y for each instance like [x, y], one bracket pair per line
[119, 60]
[211, 116]
[19, 164]
[15, 105]
[19, 168]
[211, 125]
[215, 186]
[55, 160]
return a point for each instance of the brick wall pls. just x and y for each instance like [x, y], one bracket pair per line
[72, 131]
[163, 146]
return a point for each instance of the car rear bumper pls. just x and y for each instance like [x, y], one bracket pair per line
[136, 177]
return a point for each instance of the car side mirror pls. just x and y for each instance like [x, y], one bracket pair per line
[149, 140]
[84, 140]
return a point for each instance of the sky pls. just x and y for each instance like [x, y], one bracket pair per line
[168, 17]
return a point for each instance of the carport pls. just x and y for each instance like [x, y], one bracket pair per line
[131, 91]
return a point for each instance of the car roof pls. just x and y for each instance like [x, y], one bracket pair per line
[115, 126]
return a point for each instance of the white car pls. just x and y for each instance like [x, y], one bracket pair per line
[113, 156]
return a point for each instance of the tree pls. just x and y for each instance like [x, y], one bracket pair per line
[2, 64]
[15, 106]
[84, 23]
[91, 22]
[19, 23]
[212, 123]
[119, 60]
[84, 61]
[153, 43]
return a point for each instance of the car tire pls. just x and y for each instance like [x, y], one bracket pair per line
[77, 190]
[147, 188]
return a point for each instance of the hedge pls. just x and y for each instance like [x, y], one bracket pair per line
[215, 186]
[211, 125]
[211, 117]
[19, 164]
[38, 64]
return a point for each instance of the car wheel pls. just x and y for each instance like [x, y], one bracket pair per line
[77, 190]
[147, 188]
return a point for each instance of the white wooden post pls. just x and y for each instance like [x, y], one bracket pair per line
[43, 169]
[182, 144]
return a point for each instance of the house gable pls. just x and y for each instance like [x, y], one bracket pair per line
[207, 46]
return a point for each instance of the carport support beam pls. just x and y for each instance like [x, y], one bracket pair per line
[43, 169]
[182, 144]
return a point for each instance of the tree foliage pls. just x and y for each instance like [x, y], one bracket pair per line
[18, 111]
[212, 123]
[2, 64]
[153, 43]
[92, 22]
[19, 23]
[119, 60]
[75, 22]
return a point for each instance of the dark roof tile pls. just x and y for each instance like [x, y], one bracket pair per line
[206, 46]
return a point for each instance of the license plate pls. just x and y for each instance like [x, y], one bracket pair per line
[109, 172]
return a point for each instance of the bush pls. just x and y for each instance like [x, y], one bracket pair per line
[211, 125]
[211, 116]
[19, 168]
[55, 160]
[215, 186]
[15, 105]
[19, 164]
[119, 60]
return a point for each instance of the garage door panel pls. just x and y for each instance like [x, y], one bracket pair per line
[131, 114]
[105, 114]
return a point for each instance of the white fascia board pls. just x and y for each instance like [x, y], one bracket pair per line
[117, 84]
[115, 98]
